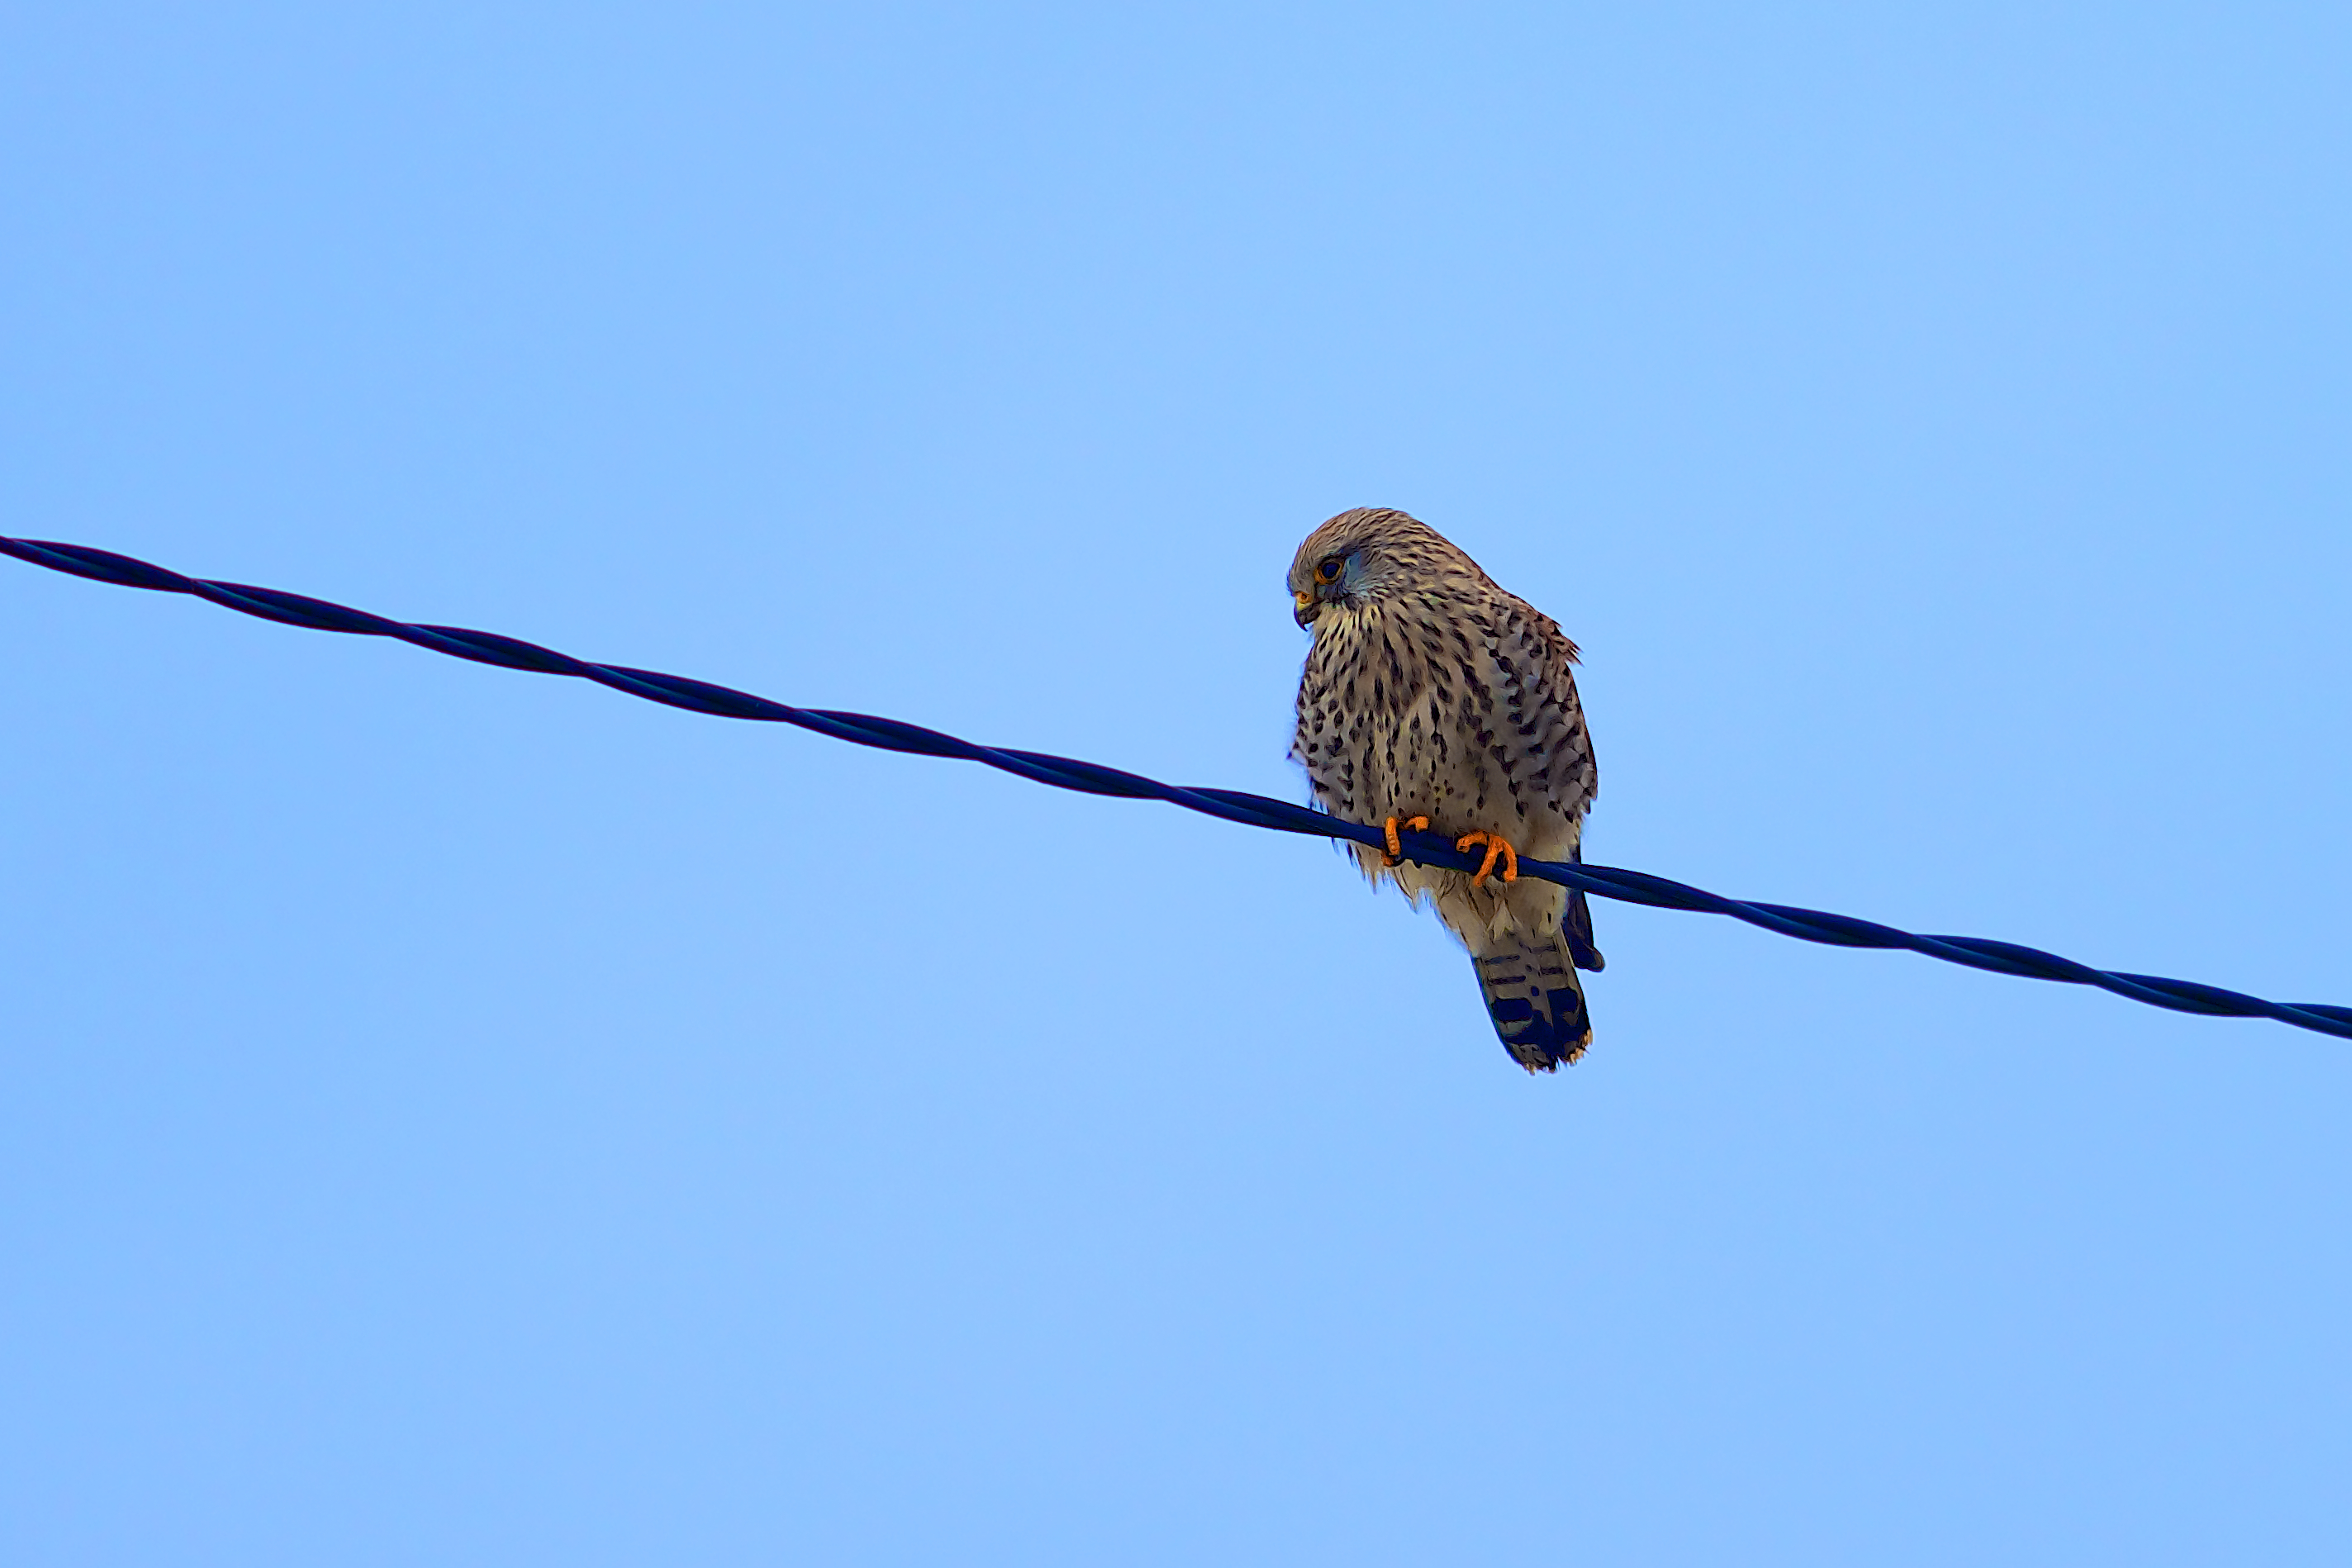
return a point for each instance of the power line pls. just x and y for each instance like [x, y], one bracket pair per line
[1233, 806]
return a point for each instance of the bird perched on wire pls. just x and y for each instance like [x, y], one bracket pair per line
[1432, 699]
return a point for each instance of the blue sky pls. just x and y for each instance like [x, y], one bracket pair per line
[455, 1116]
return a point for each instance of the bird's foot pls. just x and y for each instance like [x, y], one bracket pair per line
[1497, 846]
[1395, 855]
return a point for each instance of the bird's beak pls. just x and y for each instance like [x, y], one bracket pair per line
[1304, 614]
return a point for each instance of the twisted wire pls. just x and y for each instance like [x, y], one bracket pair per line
[1232, 805]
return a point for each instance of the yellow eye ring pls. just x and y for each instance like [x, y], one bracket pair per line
[1328, 571]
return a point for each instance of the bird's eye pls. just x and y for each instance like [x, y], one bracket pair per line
[1328, 571]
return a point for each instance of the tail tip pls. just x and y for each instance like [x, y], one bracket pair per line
[1534, 1040]
[1545, 1055]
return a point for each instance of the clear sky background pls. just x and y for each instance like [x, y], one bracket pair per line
[450, 1117]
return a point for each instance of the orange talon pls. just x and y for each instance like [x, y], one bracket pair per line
[1396, 851]
[1496, 846]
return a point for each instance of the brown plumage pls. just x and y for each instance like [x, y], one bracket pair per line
[1432, 692]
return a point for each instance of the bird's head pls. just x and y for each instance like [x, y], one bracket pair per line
[1365, 556]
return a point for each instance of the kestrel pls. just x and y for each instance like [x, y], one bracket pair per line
[1434, 699]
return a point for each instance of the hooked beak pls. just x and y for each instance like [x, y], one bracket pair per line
[1304, 614]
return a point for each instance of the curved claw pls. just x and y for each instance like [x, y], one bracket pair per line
[1496, 846]
[1395, 855]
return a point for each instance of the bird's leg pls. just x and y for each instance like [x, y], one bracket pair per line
[1396, 851]
[1496, 846]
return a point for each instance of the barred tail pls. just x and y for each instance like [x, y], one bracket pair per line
[1537, 1003]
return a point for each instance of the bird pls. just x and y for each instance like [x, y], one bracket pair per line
[1434, 700]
